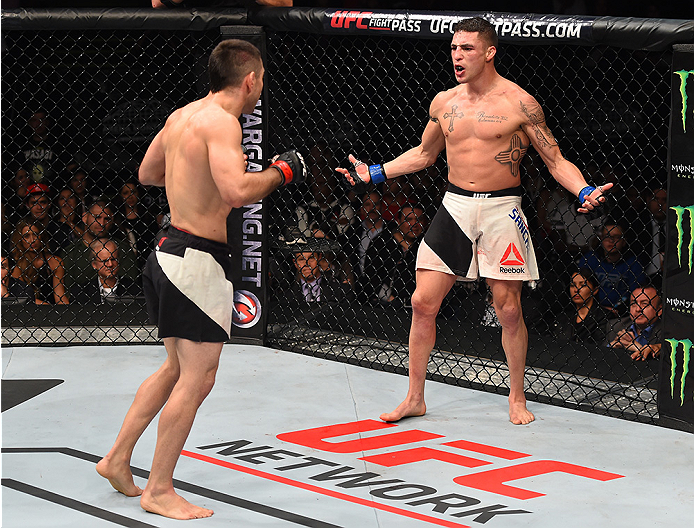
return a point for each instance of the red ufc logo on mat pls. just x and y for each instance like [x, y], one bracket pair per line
[491, 480]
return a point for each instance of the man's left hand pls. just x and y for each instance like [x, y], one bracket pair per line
[595, 198]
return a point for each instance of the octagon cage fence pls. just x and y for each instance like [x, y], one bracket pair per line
[85, 91]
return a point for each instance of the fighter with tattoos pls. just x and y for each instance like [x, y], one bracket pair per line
[485, 124]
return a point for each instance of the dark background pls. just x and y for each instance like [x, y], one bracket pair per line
[630, 8]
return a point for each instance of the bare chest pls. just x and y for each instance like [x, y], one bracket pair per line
[461, 121]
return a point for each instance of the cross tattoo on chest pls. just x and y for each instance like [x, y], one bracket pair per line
[452, 114]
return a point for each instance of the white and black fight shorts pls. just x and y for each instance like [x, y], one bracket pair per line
[187, 285]
[479, 234]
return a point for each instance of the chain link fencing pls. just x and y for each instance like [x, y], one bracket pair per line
[80, 107]
[609, 110]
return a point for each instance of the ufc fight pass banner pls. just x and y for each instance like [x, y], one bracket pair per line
[247, 226]
[676, 383]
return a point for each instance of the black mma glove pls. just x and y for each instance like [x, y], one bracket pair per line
[359, 187]
[376, 172]
[291, 167]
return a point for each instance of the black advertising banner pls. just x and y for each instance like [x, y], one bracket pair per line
[676, 383]
[433, 25]
[246, 226]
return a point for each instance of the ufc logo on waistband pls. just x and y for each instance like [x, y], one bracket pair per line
[481, 195]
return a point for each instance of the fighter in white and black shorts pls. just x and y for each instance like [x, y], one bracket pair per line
[187, 285]
[479, 234]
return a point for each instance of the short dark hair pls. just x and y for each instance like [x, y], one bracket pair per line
[100, 202]
[230, 61]
[412, 205]
[587, 274]
[478, 25]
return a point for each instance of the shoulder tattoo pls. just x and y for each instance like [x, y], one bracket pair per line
[536, 117]
[513, 155]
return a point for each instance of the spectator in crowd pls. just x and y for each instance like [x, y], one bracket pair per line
[370, 228]
[43, 156]
[586, 320]
[14, 288]
[78, 181]
[39, 206]
[334, 259]
[617, 269]
[106, 282]
[69, 215]
[139, 226]
[570, 234]
[389, 267]
[314, 283]
[655, 249]
[98, 222]
[327, 208]
[36, 266]
[641, 332]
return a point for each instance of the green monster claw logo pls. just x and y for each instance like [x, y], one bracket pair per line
[684, 75]
[687, 348]
[679, 211]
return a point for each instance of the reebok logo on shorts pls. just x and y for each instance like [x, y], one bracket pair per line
[511, 257]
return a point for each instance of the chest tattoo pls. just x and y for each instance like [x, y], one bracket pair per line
[486, 118]
[513, 155]
[453, 115]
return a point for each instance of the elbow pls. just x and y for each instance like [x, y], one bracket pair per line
[233, 200]
[427, 158]
[147, 177]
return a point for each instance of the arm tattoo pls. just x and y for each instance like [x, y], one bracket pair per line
[536, 117]
[433, 119]
[513, 155]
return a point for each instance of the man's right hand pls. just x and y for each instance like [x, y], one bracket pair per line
[358, 178]
[291, 167]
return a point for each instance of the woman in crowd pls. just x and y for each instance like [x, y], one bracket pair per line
[585, 320]
[35, 266]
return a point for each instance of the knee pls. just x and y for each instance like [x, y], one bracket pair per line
[170, 370]
[509, 313]
[206, 384]
[423, 304]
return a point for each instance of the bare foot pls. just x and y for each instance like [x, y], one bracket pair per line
[405, 409]
[519, 413]
[173, 506]
[119, 475]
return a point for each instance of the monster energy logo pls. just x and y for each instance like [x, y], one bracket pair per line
[679, 211]
[687, 348]
[684, 76]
